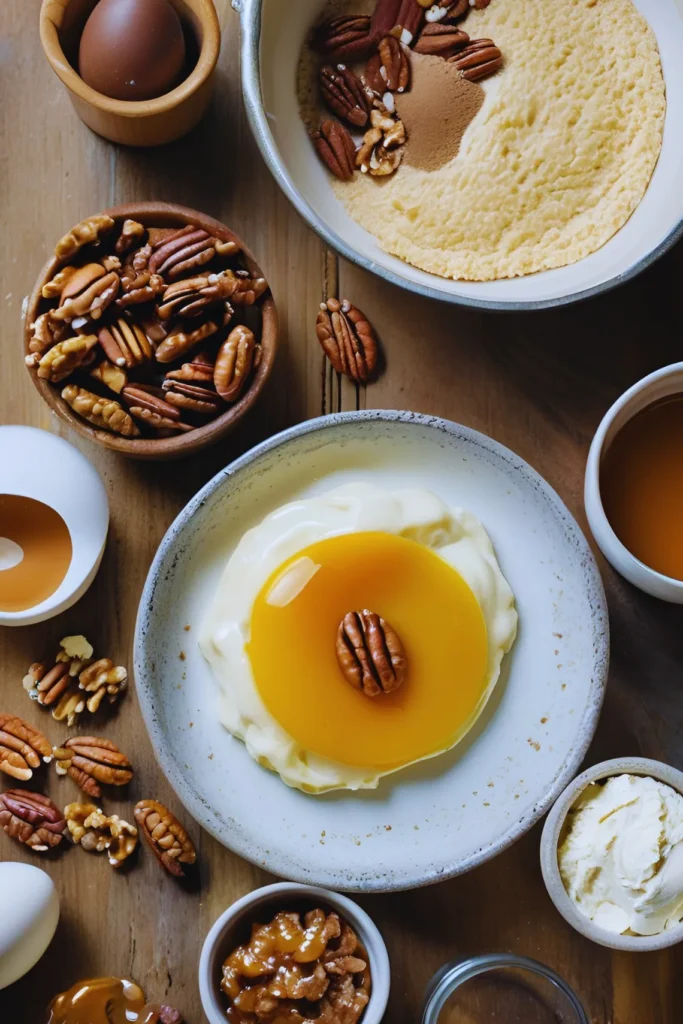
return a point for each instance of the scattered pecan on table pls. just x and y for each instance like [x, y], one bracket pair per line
[22, 748]
[127, 305]
[90, 762]
[76, 682]
[165, 836]
[96, 832]
[31, 818]
[348, 340]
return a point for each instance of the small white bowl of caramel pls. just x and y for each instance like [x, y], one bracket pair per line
[289, 948]
[634, 484]
[54, 517]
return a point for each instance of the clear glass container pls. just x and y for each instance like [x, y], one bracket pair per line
[500, 988]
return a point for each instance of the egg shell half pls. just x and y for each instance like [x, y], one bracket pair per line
[132, 49]
[30, 912]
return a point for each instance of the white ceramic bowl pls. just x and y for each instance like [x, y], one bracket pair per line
[550, 840]
[232, 928]
[432, 820]
[660, 384]
[40, 465]
[272, 35]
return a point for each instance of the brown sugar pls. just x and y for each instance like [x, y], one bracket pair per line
[436, 111]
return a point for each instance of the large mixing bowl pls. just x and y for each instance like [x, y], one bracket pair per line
[272, 35]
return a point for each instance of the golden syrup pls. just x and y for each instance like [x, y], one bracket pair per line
[103, 1001]
[35, 552]
[292, 649]
[641, 483]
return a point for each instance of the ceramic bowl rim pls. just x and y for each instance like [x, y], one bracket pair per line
[363, 924]
[612, 547]
[594, 702]
[658, 770]
[251, 13]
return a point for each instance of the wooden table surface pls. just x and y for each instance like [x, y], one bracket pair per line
[538, 383]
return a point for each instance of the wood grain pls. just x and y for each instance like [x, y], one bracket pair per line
[538, 383]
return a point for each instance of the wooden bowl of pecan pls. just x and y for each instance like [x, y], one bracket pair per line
[151, 331]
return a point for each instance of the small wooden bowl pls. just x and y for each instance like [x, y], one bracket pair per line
[165, 215]
[149, 122]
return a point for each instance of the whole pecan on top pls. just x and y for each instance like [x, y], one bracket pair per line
[479, 59]
[21, 748]
[345, 94]
[234, 361]
[90, 761]
[165, 836]
[336, 149]
[32, 819]
[348, 340]
[383, 146]
[344, 37]
[441, 40]
[370, 653]
[389, 69]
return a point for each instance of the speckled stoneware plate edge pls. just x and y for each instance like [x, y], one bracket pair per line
[233, 833]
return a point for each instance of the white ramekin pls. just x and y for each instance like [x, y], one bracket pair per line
[552, 832]
[228, 932]
[37, 464]
[660, 384]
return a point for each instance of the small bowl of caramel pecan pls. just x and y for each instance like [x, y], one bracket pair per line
[294, 951]
[151, 331]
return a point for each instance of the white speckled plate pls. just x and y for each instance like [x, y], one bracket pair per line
[446, 815]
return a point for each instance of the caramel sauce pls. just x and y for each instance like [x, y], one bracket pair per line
[35, 552]
[102, 1001]
[642, 486]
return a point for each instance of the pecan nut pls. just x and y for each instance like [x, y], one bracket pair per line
[139, 288]
[192, 296]
[90, 761]
[370, 653]
[44, 334]
[139, 399]
[388, 70]
[132, 234]
[165, 836]
[102, 679]
[88, 232]
[336, 149]
[186, 250]
[192, 397]
[113, 377]
[67, 356]
[32, 819]
[385, 17]
[345, 95]
[199, 371]
[344, 37]
[106, 414]
[408, 20]
[441, 40]
[180, 341]
[383, 146]
[95, 832]
[87, 293]
[478, 60]
[234, 363]
[348, 340]
[21, 748]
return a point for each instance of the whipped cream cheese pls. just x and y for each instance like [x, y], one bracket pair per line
[622, 859]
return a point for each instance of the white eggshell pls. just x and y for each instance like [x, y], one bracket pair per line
[30, 912]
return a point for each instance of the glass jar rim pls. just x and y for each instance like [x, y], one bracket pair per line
[455, 974]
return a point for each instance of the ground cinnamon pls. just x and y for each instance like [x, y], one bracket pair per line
[436, 111]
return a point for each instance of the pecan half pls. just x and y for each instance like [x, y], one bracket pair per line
[129, 340]
[441, 40]
[90, 761]
[199, 371]
[106, 414]
[32, 819]
[56, 285]
[479, 59]
[388, 70]
[370, 653]
[165, 836]
[383, 144]
[113, 377]
[95, 832]
[345, 95]
[139, 288]
[336, 149]
[88, 232]
[234, 363]
[102, 679]
[136, 397]
[180, 341]
[44, 334]
[192, 398]
[87, 293]
[132, 234]
[67, 356]
[348, 340]
[185, 251]
[21, 748]
[385, 17]
[409, 20]
[192, 296]
[344, 37]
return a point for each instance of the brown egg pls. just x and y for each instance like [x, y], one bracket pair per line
[132, 49]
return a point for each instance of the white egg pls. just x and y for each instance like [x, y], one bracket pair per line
[30, 912]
